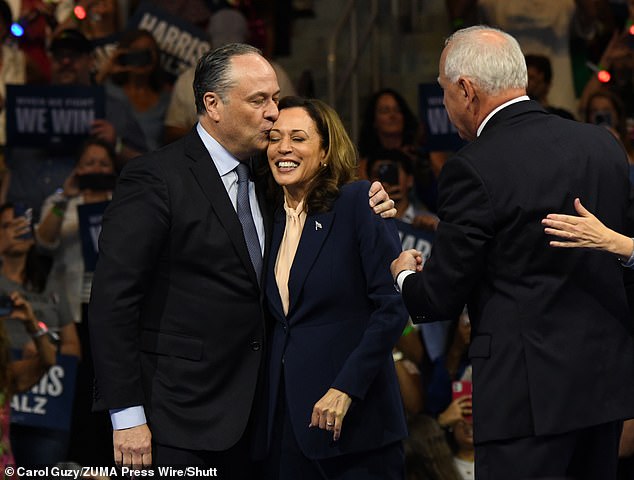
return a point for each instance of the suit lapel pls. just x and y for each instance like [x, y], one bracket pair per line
[272, 292]
[209, 180]
[314, 234]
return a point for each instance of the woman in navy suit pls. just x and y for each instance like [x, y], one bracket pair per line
[334, 403]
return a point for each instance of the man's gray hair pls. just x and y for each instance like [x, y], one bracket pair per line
[213, 71]
[494, 66]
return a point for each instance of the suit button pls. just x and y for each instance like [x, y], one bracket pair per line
[255, 346]
[284, 327]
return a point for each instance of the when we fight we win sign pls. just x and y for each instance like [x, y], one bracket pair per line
[51, 116]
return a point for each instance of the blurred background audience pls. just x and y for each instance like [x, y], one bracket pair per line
[569, 46]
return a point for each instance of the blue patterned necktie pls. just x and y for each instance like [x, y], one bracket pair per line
[246, 218]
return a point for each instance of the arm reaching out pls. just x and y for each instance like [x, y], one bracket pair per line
[586, 231]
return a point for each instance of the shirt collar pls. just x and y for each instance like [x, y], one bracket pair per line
[496, 110]
[224, 161]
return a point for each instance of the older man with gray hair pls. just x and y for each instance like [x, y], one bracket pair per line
[552, 357]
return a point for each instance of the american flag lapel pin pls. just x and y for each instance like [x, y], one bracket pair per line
[317, 225]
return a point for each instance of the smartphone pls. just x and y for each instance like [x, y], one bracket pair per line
[388, 173]
[461, 389]
[97, 181]
[603, 118]
[21, 210]
[6, 305]
[135, 58]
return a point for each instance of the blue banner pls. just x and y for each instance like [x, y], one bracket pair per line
[51, 116]
[90, 216]
[49, 404]
[181, 43]
[441, 134]
[412, 237]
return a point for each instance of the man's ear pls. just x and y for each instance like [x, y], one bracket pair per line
[466, 87]
[469, 90]
[212, 103]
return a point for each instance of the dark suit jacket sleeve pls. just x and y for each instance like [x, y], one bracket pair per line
[378, 243]
[460, 246]
[134, 228]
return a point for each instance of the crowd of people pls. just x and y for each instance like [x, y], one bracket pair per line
[240, 310]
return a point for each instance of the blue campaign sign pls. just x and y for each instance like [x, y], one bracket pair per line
[90, 216]
[54, 116]
[181, 43]
[49, 404]
[441, 134]
[412, 237]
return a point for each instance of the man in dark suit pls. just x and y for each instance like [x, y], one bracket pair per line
[176, 317]
[552, 358]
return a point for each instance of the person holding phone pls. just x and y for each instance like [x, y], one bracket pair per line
[19, 375]
[91, 181]
[134, 75]
[394, 169]
[605, 108]
[24, 277]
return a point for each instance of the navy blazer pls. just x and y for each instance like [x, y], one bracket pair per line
[550, 348]
[344, 318]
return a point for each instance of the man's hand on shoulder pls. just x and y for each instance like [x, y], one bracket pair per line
[133, 447]
[380, 201]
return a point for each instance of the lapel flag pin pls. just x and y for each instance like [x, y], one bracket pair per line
[317, 225]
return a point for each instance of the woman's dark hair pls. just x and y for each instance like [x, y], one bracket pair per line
[368, 138]
[341, 157]
[427, 454]
[95, 141]
[37, 265]
[157, 75]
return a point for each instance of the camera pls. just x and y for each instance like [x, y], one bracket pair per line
[6, 305]
[135, 58]
[388, 173]
[97, 181]
[602, 117]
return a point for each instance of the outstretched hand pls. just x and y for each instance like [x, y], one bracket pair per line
[584, 231]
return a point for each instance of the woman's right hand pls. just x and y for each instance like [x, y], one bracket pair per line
[585, 231]
[456, 411]
[71, 185]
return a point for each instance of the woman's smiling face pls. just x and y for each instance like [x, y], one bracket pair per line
[295, 151]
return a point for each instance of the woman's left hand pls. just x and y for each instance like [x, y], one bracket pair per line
[23, 311]
[329, 411]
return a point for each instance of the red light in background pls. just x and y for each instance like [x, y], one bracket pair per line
[604, 76]
[631, 29]
[80, 12]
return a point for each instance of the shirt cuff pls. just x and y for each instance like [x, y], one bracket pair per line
[630, 261]
[400, 278]
[122, 418]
